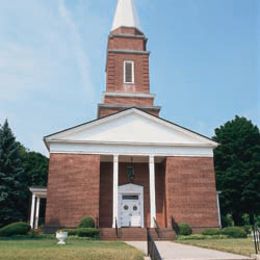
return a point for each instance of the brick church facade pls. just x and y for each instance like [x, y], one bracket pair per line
[130, 167]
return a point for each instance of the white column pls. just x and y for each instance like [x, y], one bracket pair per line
[152, 191]
[115, 190]
[32, 211]
[37, 212]
[219, 212]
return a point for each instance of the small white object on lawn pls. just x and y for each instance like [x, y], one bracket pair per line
[61, 236]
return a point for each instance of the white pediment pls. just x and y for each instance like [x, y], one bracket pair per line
[133, 127]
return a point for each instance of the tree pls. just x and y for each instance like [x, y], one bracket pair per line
[12, 178]
[35, 166]
[237, 163]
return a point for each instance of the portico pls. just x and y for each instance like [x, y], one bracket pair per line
[38, 193]
[131, 189]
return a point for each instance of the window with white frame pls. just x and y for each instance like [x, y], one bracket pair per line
[129, 72]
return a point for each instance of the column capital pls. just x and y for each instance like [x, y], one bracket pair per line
[151, 159]
[115, 157]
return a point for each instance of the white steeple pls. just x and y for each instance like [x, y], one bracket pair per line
[126, 15]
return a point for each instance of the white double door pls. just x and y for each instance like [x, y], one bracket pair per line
[130, 211]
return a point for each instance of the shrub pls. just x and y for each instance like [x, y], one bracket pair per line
[234, 232]
[247, 229]
[88, 232]
[87, 222]
[211, 232]
[71, 232]
[17, 228]
[185, 229]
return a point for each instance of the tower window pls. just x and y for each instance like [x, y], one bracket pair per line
[129, 72]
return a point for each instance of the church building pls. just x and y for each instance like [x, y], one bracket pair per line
[130, 168]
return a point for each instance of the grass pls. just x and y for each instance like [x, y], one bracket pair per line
[237, 246]
[80, 249]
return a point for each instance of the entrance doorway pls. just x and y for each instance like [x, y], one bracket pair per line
[131, 206]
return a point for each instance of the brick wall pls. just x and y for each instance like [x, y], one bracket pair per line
[127, 43]
[191, 191]
[105, 111]
[127, 31]
[115, 75]
[73, 189]
[133, 101]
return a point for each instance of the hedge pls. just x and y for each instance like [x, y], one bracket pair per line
[212, 232]
[83, 232]
[71, 232]
[87, 222]
[234, 232]
[88, 232]
[17, 228]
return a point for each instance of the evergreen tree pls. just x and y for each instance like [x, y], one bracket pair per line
[12, 178]
[237, 163]
[35, 166]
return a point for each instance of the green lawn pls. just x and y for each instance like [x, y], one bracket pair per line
[43, 249]
[238, 246]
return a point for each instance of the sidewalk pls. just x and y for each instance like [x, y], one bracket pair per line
[174, 251]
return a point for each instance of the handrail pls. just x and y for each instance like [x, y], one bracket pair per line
[175, 226]
[256, 234]
[157, 228]
[152, 250]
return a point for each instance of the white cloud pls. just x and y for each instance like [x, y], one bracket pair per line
[77, 49]
[44, 66]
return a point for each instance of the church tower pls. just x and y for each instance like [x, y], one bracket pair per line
[127, 66]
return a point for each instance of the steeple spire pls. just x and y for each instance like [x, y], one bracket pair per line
[126, 15]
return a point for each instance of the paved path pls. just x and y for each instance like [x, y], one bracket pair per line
[174, 251]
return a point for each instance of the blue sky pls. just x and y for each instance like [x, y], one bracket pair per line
[204, 62]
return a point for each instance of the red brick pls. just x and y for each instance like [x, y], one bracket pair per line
[73, 189]
[191, 191]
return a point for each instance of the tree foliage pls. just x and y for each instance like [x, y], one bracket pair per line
[12, 178]
[237, 163]
[19, 170]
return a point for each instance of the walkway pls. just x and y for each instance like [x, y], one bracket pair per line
[173, 251]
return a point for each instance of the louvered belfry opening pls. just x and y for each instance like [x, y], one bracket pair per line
[129, 72]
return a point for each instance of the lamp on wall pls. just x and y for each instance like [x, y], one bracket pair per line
[131, 171]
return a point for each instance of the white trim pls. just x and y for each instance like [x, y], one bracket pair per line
[132, 69]
[134, 149]
[152, 191]
[122, 94]
[32, 211]
[138, 143]
[39, 192]
[37, 212]
[115, 189]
